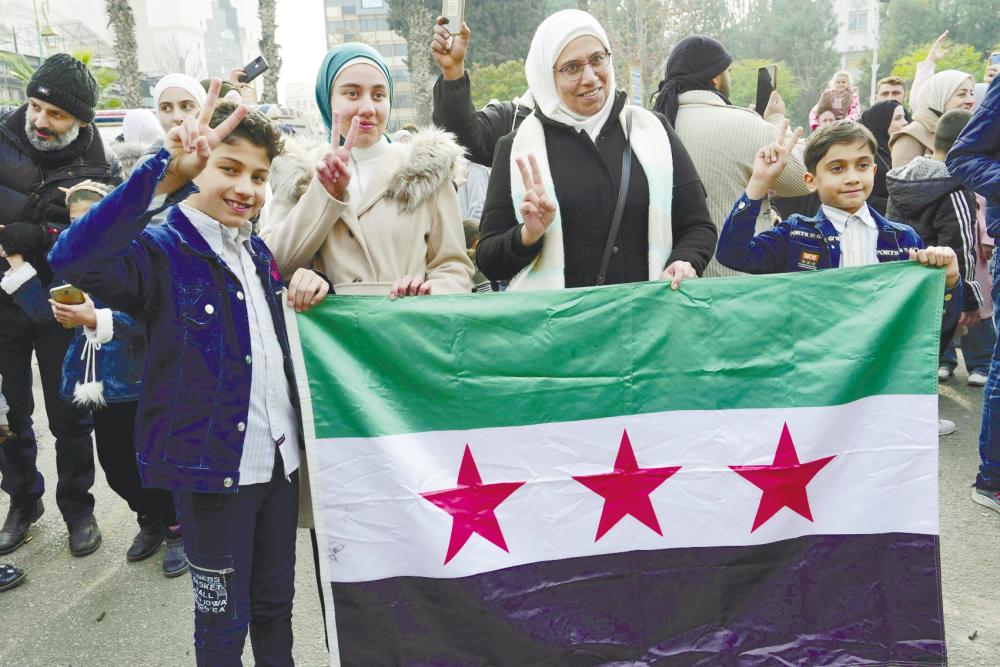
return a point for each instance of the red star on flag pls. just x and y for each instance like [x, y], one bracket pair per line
[783, 482]
[626, 490]
[471, 505]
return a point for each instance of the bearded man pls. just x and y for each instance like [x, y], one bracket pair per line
[45, 145]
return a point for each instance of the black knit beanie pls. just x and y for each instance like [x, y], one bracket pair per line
[693, 62]
[66, 82]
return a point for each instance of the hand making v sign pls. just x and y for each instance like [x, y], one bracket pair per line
[333, 169]
[190, 144]
[770, 161]
[537, 209]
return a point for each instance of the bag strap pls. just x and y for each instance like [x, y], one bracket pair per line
[616, 221]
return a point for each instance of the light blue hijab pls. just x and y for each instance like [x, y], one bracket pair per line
[333, 63]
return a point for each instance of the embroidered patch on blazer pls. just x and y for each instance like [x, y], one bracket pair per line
[808, 260]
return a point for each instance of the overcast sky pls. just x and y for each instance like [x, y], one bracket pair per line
[301, 34]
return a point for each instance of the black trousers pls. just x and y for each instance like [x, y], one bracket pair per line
[71, 426]
[241, 551]
[114, 431]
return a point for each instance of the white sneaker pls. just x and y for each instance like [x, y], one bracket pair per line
[990, 499]
[976, 379]
[944, 374]
[946, 427]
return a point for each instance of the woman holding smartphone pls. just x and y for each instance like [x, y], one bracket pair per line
[553, 198]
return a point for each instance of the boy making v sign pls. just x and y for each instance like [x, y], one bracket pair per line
[218, 419]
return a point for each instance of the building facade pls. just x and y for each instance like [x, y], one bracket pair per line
[857, 21]
[368, 21]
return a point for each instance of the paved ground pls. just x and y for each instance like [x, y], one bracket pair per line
[101, 611]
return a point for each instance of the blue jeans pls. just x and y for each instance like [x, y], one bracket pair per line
[241, 549]
[977, 348]
[989, 435]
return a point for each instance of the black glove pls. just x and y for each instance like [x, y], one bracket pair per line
[23, 238]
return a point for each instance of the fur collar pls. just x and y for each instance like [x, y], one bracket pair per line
[427, 162]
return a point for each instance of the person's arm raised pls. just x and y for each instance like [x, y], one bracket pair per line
[770, 162]
[190, 144]
[537, 209]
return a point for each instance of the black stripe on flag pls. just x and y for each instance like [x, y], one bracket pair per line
[814, 600]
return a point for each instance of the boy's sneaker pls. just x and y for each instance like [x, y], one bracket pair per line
[988, 499]
[946, 427]
[977, 379]
[944, 373]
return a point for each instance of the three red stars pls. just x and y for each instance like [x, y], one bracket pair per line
[783, 482]
[472, 506]
[626, 490]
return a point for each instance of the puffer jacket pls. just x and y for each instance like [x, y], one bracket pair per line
[29, 190]
[975, 157]
[923, 195]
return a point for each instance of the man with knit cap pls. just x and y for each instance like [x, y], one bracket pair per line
[47, 144]
[722, 139]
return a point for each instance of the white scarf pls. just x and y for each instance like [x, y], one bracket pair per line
[652, 149]
[550, 39]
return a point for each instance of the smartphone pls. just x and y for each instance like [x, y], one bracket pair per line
[767, 83]
[67, 295]
[995, 58]
[453, 12]
[254, 68]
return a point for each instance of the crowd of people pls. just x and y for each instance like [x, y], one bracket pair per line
[147, 276]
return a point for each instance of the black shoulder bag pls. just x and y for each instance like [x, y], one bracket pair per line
[616, 222]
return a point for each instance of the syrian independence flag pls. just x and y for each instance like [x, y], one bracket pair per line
[743, 472]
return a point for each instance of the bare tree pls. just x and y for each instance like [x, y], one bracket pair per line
[122, 21]
[174, 56]
[269, 49]
[637, 30]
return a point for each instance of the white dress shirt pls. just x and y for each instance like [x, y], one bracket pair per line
[271, 421]
[858, 235]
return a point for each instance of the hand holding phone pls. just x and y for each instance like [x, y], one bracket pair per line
[767, 83]
[254, 68]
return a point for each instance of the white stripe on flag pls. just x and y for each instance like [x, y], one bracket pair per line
[375, 523]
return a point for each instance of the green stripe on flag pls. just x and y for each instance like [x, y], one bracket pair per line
[380, 367]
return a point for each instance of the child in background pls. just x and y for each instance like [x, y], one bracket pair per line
[942, 210]
[841, 97]
[219, 419]
[840, 161]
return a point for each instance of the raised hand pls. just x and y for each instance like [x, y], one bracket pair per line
[333, 171]
[937, 50]
[449, 50]
[775, 105]
[191, 143]
[537, 210]
[770, 161]
[70, 316]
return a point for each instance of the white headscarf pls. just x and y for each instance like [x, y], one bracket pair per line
[188, 84]
[550, 39]
[939, 89]
[141, 126]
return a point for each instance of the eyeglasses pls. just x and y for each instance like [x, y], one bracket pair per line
[572, 71]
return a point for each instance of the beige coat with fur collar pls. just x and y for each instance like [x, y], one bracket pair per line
[409, 222]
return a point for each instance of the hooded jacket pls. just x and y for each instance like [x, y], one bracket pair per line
[975, 157]
[407, 223]
[923, 195]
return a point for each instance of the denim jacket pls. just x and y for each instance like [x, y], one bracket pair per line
[808, 244]
[195, 395]
[975, 157]
[119, 361]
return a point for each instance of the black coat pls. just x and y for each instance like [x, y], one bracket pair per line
[29, 189]
[586, 177]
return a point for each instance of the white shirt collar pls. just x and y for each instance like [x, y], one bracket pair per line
[839, 217]
[214, 231]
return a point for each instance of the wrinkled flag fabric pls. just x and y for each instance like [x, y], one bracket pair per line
[743, 472]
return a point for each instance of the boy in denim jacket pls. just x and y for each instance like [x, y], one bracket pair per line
[219, 419]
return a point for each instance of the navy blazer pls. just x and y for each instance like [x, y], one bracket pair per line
[195, 395]
[807, 244]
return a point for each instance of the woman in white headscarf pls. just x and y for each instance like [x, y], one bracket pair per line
[177, 96]
[943, 92]
[554, 189]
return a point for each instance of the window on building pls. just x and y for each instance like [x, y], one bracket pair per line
[372, 4]
[857, 21]
[385, 50]
[399, 49]
[382, 23]
[368, 25]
